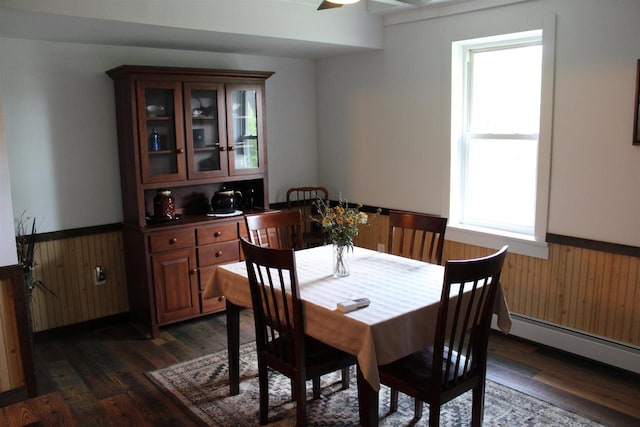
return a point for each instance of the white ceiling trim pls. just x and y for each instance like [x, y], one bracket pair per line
[438, 9]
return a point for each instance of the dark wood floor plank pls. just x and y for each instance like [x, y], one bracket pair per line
[130, 357]
[181, 350]
[51, 410]
[100, 386]
[21, 414]
[59, 374]
[502, 374]
[84, 405]
[122, 412]
[156, 353]
[156, 407]
[574, 375]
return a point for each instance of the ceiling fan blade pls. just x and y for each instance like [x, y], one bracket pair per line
[327, 5]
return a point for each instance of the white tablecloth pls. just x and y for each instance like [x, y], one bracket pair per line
[400, 319]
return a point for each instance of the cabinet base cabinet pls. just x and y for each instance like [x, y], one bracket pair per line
[169, 266]
[175, 285]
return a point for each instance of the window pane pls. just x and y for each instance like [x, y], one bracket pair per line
[505, 90]
[500, 185]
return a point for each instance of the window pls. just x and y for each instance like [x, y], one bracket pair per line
[499, 162]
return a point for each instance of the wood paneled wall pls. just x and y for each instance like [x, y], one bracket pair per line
[587, 290]
[11, 373]
[67, 267]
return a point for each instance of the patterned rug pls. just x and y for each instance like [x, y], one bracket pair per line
[201, 386]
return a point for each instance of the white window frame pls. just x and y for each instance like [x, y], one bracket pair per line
[526, 244]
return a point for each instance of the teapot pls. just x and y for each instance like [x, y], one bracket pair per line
[226, 201]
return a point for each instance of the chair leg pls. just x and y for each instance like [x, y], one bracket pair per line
[393, 404]
[477, 410]
[345, 378]
[434, 415]
[301, 402]
[418, 409]
[293, 389]
[263, 381]
[316, 387]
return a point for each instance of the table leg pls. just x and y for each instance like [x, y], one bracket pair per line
[367, 401]
[233, 346]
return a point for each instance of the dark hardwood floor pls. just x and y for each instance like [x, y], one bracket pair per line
[95, 377]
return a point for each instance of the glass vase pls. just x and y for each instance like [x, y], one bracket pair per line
[340, 260]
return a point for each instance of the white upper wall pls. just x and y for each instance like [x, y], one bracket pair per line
[8, 254]
[389, 113]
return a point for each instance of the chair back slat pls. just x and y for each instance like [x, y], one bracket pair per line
[275, 298]
[464, 318]
[417, 236]
[305, 198]
[276, 230]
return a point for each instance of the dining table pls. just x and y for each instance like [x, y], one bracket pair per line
[400, 319]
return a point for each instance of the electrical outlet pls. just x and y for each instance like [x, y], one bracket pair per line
[380, 247]
[100, 277]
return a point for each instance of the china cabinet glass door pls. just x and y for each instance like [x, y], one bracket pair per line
[244, 123]
[160, 129]
[205, 130]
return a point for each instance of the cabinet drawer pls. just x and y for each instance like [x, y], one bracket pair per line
[209, 305]
[218, 253]
[217, 233]
[174, 239]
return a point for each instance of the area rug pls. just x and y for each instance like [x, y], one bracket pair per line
[201, 387]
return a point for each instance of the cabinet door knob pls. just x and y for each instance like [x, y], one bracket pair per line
[230, 148]
[194, 271]
[173, 241]
[218, 254]
[222, 148]
[180, 150]
[217, 234]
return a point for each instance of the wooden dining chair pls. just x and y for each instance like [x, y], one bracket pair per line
[305, 198]
[416, 235]
[457, 361]
[279, 327]
[276, 230]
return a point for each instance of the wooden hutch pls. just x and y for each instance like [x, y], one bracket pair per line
[192, 132]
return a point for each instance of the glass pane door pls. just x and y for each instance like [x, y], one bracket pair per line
[160, 130]
[204, 125]
[245, 124]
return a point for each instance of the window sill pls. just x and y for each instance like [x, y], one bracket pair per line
[495, 239]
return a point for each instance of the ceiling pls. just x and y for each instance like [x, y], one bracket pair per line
[290, 28]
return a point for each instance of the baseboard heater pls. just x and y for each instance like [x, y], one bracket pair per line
[579, 343]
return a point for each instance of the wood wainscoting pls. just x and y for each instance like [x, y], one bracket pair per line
[589, 290]
[592, 291]
[16, 343]
[65, 263]
[11, 375]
